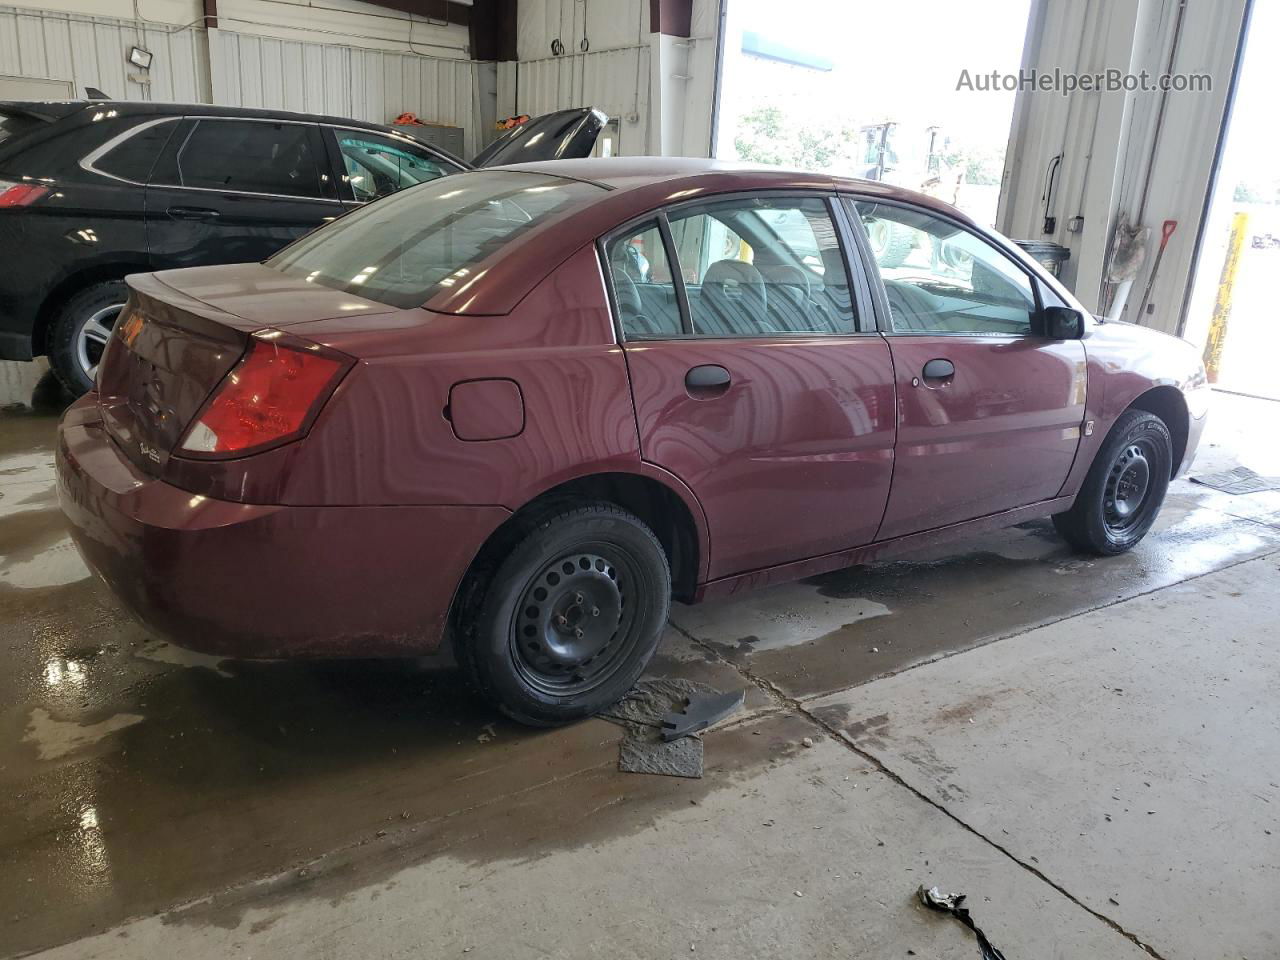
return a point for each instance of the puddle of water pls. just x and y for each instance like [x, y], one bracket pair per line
[782, 616]
[54, 567]
[57, 738]
[167, 653]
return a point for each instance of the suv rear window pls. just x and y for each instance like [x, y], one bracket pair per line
[16, 126]
[407, 247]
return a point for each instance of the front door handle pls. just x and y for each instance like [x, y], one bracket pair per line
[939, 369]
[192, 213]
[707, 380]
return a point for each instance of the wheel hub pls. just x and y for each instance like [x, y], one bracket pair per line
[569, 617]
[1127, 485]
[92, 337]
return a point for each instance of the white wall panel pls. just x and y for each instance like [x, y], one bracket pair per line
[91, 50]
[615, 81]
[339, 80]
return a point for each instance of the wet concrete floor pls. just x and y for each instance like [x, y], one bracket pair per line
[238, 802]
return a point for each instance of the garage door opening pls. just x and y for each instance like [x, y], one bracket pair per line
[870, 94]
[1232, 312]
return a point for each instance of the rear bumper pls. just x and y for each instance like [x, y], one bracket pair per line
[262, 581]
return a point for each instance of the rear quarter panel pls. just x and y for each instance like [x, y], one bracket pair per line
[385, 437]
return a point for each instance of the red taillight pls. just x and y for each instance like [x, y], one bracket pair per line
[20, 194]
[269, 397]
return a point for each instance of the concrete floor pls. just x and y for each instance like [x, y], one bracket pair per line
[1089, 748]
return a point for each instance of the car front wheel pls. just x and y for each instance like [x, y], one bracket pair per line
[568, 621]
[81, 331]
[1124, 489]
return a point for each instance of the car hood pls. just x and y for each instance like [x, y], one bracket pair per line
[563, 135]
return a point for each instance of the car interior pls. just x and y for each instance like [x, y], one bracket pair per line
[766, 284]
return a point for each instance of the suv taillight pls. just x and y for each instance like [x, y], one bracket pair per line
[20, 194]
[270, 397]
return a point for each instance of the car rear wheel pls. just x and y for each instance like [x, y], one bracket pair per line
[1124, 489]
[568, 621]
[81, 331]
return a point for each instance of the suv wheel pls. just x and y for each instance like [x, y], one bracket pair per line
[569, 620]
[1124, 489]
[81, 331]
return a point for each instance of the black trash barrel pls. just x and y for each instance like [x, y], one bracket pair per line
[1051, 255]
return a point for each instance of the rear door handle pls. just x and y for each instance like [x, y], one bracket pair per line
[939, 369]
[707, 380]
[192, 213]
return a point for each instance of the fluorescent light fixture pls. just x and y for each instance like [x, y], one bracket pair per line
[140, 58]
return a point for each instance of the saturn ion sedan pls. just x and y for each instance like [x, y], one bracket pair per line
[521, 409]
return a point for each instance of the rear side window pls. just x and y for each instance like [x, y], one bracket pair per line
[133, 157]
[404, 249]
[251, 156]
[643, 288]
[763, 267]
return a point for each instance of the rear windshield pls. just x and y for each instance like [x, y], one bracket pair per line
[15, 126]
[404, 249]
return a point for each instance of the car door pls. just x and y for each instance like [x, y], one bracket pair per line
[372, 165]
[989, 411]
[752, 377]
[236, 190]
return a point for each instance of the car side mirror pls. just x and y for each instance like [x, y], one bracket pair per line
[1061, 323]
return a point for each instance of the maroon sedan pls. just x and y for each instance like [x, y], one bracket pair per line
[525, 407]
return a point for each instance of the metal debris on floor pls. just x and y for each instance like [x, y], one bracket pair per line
[1238, 481]
[953, 903]
[643, 713]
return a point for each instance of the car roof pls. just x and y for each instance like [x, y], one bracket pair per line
[631, 188]
[628, 173]
[62, 109]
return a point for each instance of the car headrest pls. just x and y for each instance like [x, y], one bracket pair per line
[624, 288]
[833, 266]
[785, 275]
[735, 280]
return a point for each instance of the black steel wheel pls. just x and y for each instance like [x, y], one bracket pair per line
[568, 621]
[1124, 489]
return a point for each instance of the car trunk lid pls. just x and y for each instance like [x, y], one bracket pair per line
[166, 356]
[562, 135]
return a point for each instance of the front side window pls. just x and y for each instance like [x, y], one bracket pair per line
[250, 156]
[759, 267]
[940, 278]
[643, 287]
[376, 166]
[414, 244]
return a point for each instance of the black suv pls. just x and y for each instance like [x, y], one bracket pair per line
[93, 191]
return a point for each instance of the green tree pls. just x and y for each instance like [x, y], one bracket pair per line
[770, 135]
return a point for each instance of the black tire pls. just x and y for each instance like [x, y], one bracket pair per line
[74, 368]
[891, 244]
[570, 618]
[1125, 487]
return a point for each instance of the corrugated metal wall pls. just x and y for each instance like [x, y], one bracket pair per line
[91, 51]
[1108, 140]
[239, 69]
[615, 81]
[343, 81]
